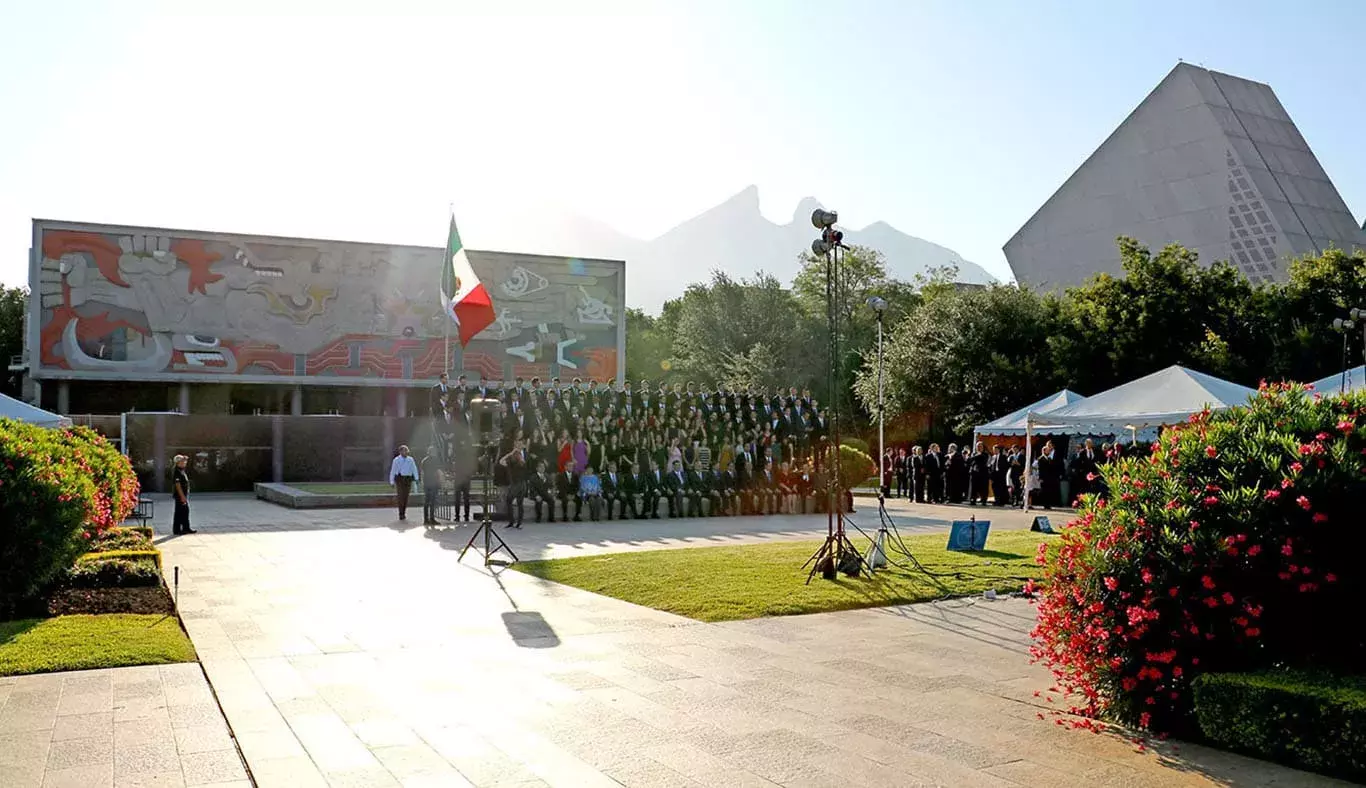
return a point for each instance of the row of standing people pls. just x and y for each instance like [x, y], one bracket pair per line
[977, 475]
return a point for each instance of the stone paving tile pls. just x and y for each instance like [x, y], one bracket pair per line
[112, 728]
[423, 671]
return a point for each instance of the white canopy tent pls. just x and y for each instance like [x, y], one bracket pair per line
[1014, 423]
[11, 408]
[1353, 380]
[1165, 397]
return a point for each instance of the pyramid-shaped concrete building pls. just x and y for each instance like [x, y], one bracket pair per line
[1208, 160]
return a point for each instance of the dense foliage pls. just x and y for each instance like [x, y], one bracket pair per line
[1312, 720]
[1231, 547]
[13, 311]
[969, 355]
[58, 487]
[965, 355]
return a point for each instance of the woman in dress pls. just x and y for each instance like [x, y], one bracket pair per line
[565, 457]
[580, 450]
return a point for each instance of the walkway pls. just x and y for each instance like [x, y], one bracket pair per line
[124, 727]
[348, 650]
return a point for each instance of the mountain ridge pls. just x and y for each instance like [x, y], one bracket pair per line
[732, 236]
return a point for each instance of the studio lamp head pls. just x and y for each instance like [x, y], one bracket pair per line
[878, 305]
[1357, 312]
[820, 247]
[1343, 325]
[821, 218]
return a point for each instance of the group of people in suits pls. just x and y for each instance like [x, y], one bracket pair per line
[622, 451]
[976, 475]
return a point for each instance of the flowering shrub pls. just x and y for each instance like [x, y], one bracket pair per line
[58, 488]
[1230, 547]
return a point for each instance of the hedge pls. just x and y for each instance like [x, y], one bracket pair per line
[58, 489]
[1233, 546]
[1316, 721]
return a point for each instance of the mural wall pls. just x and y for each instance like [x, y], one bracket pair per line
[143, 304]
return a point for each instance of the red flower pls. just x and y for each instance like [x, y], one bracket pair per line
[1345, 426]
[1296, 467]
[1272, 495]
[1210, 451]
[1320, 517]
[1188, 548]
[1090, 477]
[1228, 598]
[1323, 436]
[1287, 483]
[1144, 719]
[1252, 632]
[1111, 583]
[1207, 582]
[1211, 500]
[1330, 578]
[1303, 502]
[1253, 550]
[1287, 548]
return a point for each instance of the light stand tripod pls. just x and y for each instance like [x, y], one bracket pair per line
[488, 450]
[837, 553]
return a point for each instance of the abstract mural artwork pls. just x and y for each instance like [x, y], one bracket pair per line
[142, 304]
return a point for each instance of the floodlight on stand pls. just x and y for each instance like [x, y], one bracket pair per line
[1343, 325]
[820, 247]
[1357, 313]
[821, 218]
[878, 305]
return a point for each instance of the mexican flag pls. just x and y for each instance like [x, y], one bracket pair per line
[464, 298]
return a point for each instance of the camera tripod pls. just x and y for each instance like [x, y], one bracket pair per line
[490, 536]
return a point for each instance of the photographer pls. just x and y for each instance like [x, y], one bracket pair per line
[515, 472]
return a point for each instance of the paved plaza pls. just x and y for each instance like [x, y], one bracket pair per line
[143, 726]
[347, 648]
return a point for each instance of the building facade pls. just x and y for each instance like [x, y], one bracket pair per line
[149, 319]
[1207, 160]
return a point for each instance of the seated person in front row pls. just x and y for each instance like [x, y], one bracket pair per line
[566, 490]
[618, 489]
[590, 492]
[540, 488]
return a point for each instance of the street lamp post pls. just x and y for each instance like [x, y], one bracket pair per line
[879, 306]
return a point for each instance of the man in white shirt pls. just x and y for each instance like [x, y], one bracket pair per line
[402, 474]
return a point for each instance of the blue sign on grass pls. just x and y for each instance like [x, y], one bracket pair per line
[969, 535]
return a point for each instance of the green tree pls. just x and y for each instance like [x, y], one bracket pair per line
[966, 356]
[750, 329]
[13, 312]
[647, 349]
[863, 275]
[1166, 309]
[1302, 344]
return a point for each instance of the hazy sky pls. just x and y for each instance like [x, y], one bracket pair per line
[953, 121]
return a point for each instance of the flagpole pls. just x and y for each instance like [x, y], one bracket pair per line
[446, 318]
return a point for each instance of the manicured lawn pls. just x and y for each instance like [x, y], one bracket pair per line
[728, 583]
[44, 645]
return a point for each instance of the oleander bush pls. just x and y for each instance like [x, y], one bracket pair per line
[120, 538]
[1311, 720]
[58, 488]
[1232, 547]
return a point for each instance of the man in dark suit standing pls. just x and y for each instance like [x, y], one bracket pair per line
[934, 474]
[978, 470]
[916, 465]
[439, 397]
[1084, 465]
